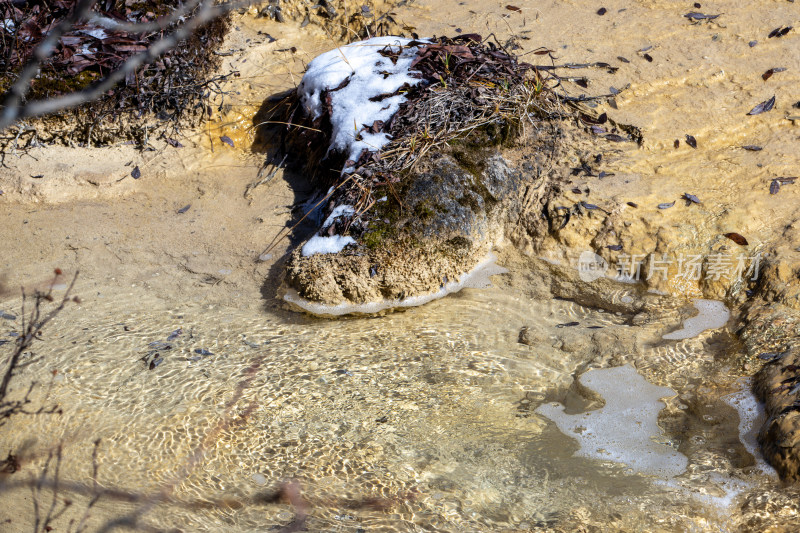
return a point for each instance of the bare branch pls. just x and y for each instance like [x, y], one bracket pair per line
[139, 27]
[31, 329]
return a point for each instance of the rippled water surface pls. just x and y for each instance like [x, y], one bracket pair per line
[419, 420]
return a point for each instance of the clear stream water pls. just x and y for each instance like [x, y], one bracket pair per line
[422, 420]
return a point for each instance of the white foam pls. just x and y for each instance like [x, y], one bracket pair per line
[711, 315]
[367, 75]
[477, 278]
[326, 245]
[751, 418]
[623, 430]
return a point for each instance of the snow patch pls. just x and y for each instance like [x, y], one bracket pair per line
[104, 22]
[326, 245]
[338, 211]
[357, 78]
[323, 244]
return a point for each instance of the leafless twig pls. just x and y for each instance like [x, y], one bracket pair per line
[31, 330]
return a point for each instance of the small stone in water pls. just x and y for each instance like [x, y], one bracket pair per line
[259, 479]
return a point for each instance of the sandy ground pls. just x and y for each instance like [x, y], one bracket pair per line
[86, 212]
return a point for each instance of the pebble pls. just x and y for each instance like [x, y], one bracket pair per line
[259, 479]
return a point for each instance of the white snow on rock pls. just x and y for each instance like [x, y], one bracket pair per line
[329, 245]
[353, 75]
[338, 211]
[326, 245]
[97, 33]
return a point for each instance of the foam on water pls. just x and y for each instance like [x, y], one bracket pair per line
[623, 430]
[477, 278]
[751, 417]
[711, 315]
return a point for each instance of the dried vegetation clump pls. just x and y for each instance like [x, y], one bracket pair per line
[161, 94]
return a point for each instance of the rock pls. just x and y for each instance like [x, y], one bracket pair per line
[575, 342]
[777, 384]
[451, 213]
[533, 335]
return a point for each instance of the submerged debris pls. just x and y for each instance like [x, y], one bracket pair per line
[775, 185]
[690, 198]
[738, 239]
[698, 17]
[763, 107]
[779, 31]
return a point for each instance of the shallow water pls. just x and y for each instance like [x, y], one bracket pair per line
[421, 420]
